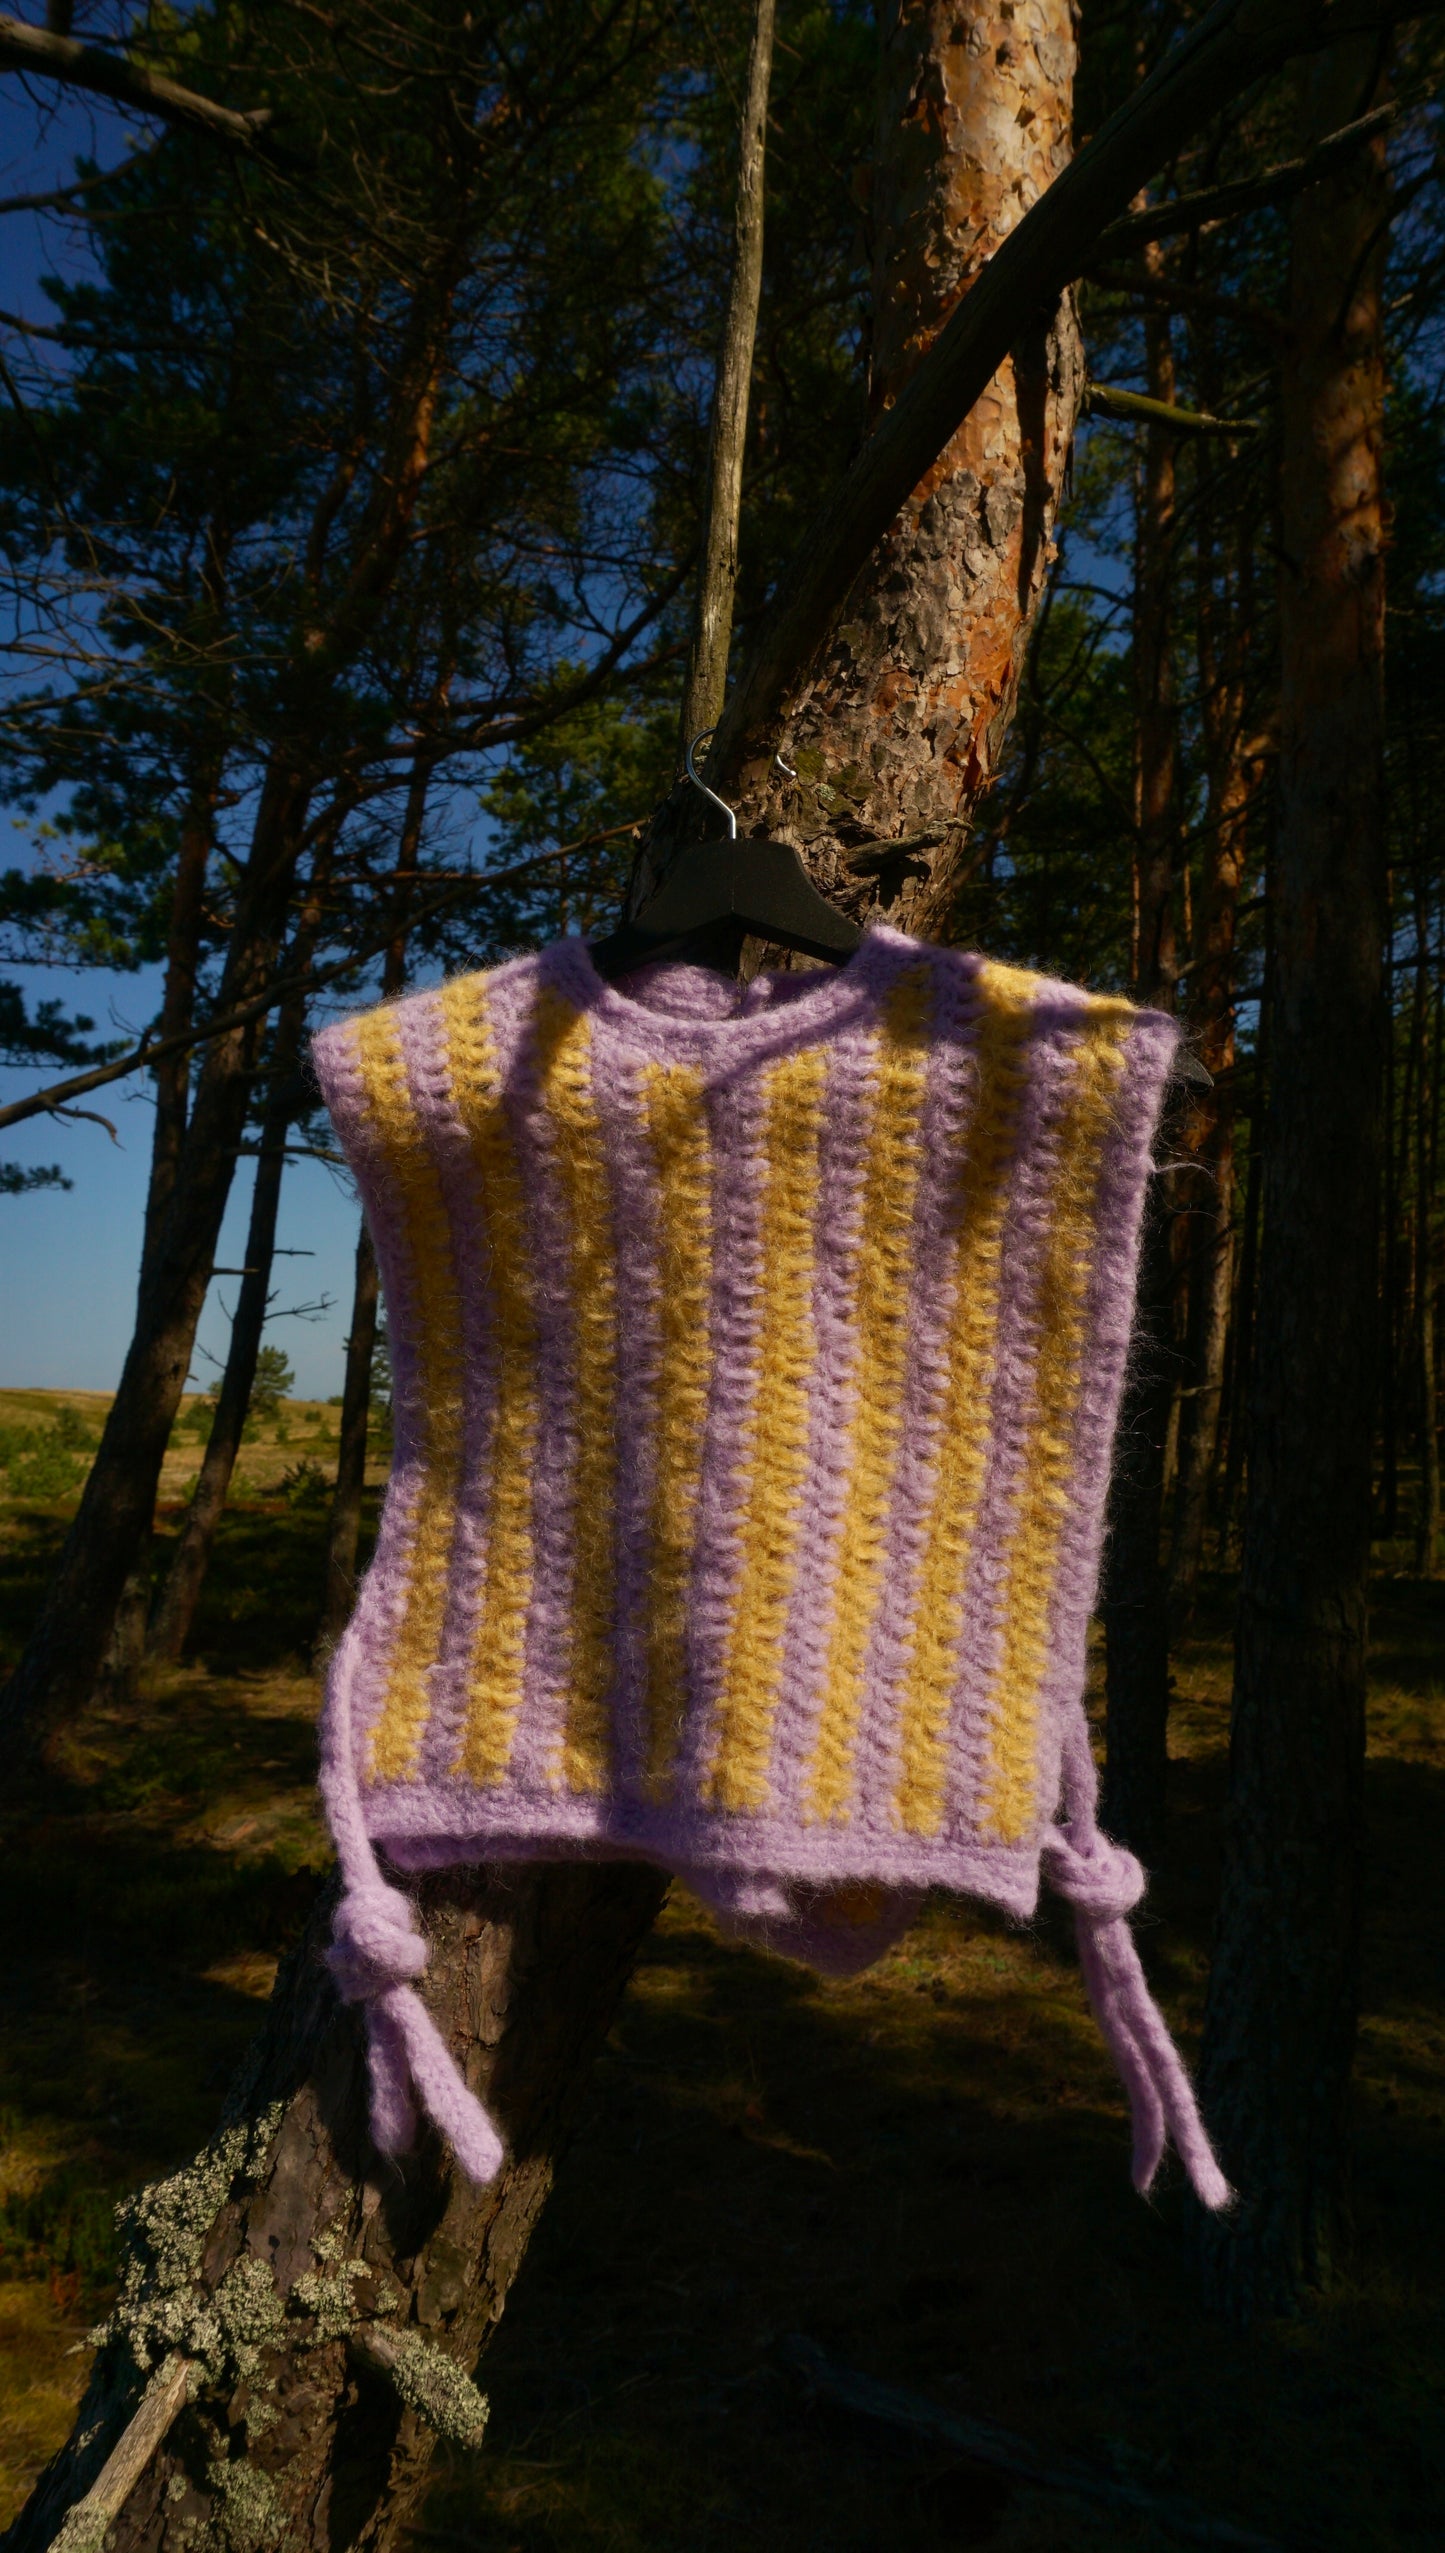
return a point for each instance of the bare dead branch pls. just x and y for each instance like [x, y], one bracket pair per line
[108, 75]
[160, 2405]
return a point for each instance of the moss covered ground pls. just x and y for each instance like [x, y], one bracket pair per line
[924, 2170]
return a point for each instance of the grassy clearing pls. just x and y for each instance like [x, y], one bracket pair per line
[925, 2170]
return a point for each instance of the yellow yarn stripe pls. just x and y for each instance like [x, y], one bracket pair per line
[675, 1106]
[494, 1684]
[980, 1214]
[396, 1736]
[776, 1470]
[1012, 1779]
[881, 1310]
[564, 1038]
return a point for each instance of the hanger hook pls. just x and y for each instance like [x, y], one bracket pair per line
[688, 752]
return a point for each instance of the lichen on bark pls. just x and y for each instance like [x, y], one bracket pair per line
[163, 2303]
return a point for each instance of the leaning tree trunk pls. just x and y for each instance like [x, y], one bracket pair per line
[364, 2297]
[705, 686]
[1281, 2016]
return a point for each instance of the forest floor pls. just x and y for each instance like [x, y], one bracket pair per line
[925, 2171]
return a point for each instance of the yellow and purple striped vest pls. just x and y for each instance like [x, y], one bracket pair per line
[756, 1358]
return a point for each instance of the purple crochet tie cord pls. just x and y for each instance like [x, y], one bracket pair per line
[757, 1354]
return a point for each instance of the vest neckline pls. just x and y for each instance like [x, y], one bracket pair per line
[775, 1021]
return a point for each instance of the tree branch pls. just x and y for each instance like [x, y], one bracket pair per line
[1133, 406]
[164, 2398]
[1168, 293]
[55, 1100]
[59, 195]
[1272, 186]
[1238, 43]
[86, 66]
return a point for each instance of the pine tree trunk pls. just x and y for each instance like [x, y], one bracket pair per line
[188, 891]
[1132, 1596]
[1281, 2015]
[181, 1593]
[1205, 1132]
[895, 732]
[1427, 1524]
[183, 943]
[1134, 1599]
[1389, 1496]
[344, 1530]
[57, 1671]
[1427, 1537]
[186, 1576]
[1247, 1282]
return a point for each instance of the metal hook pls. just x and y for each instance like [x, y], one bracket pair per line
[688, 752]
[786, 768]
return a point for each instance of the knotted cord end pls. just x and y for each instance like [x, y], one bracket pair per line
[1104, 1883]
[376, 1953]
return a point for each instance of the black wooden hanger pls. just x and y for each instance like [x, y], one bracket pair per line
[718, 893]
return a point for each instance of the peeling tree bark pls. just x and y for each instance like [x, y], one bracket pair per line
[897, 730]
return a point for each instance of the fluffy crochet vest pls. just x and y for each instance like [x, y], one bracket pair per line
[756, 1357]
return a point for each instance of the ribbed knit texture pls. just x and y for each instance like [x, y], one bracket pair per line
[756, 1359]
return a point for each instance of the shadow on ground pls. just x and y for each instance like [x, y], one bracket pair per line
[925, 2170]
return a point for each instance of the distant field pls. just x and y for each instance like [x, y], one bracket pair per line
[300, 1433]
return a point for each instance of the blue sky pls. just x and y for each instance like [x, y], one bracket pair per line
[68, 1259]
